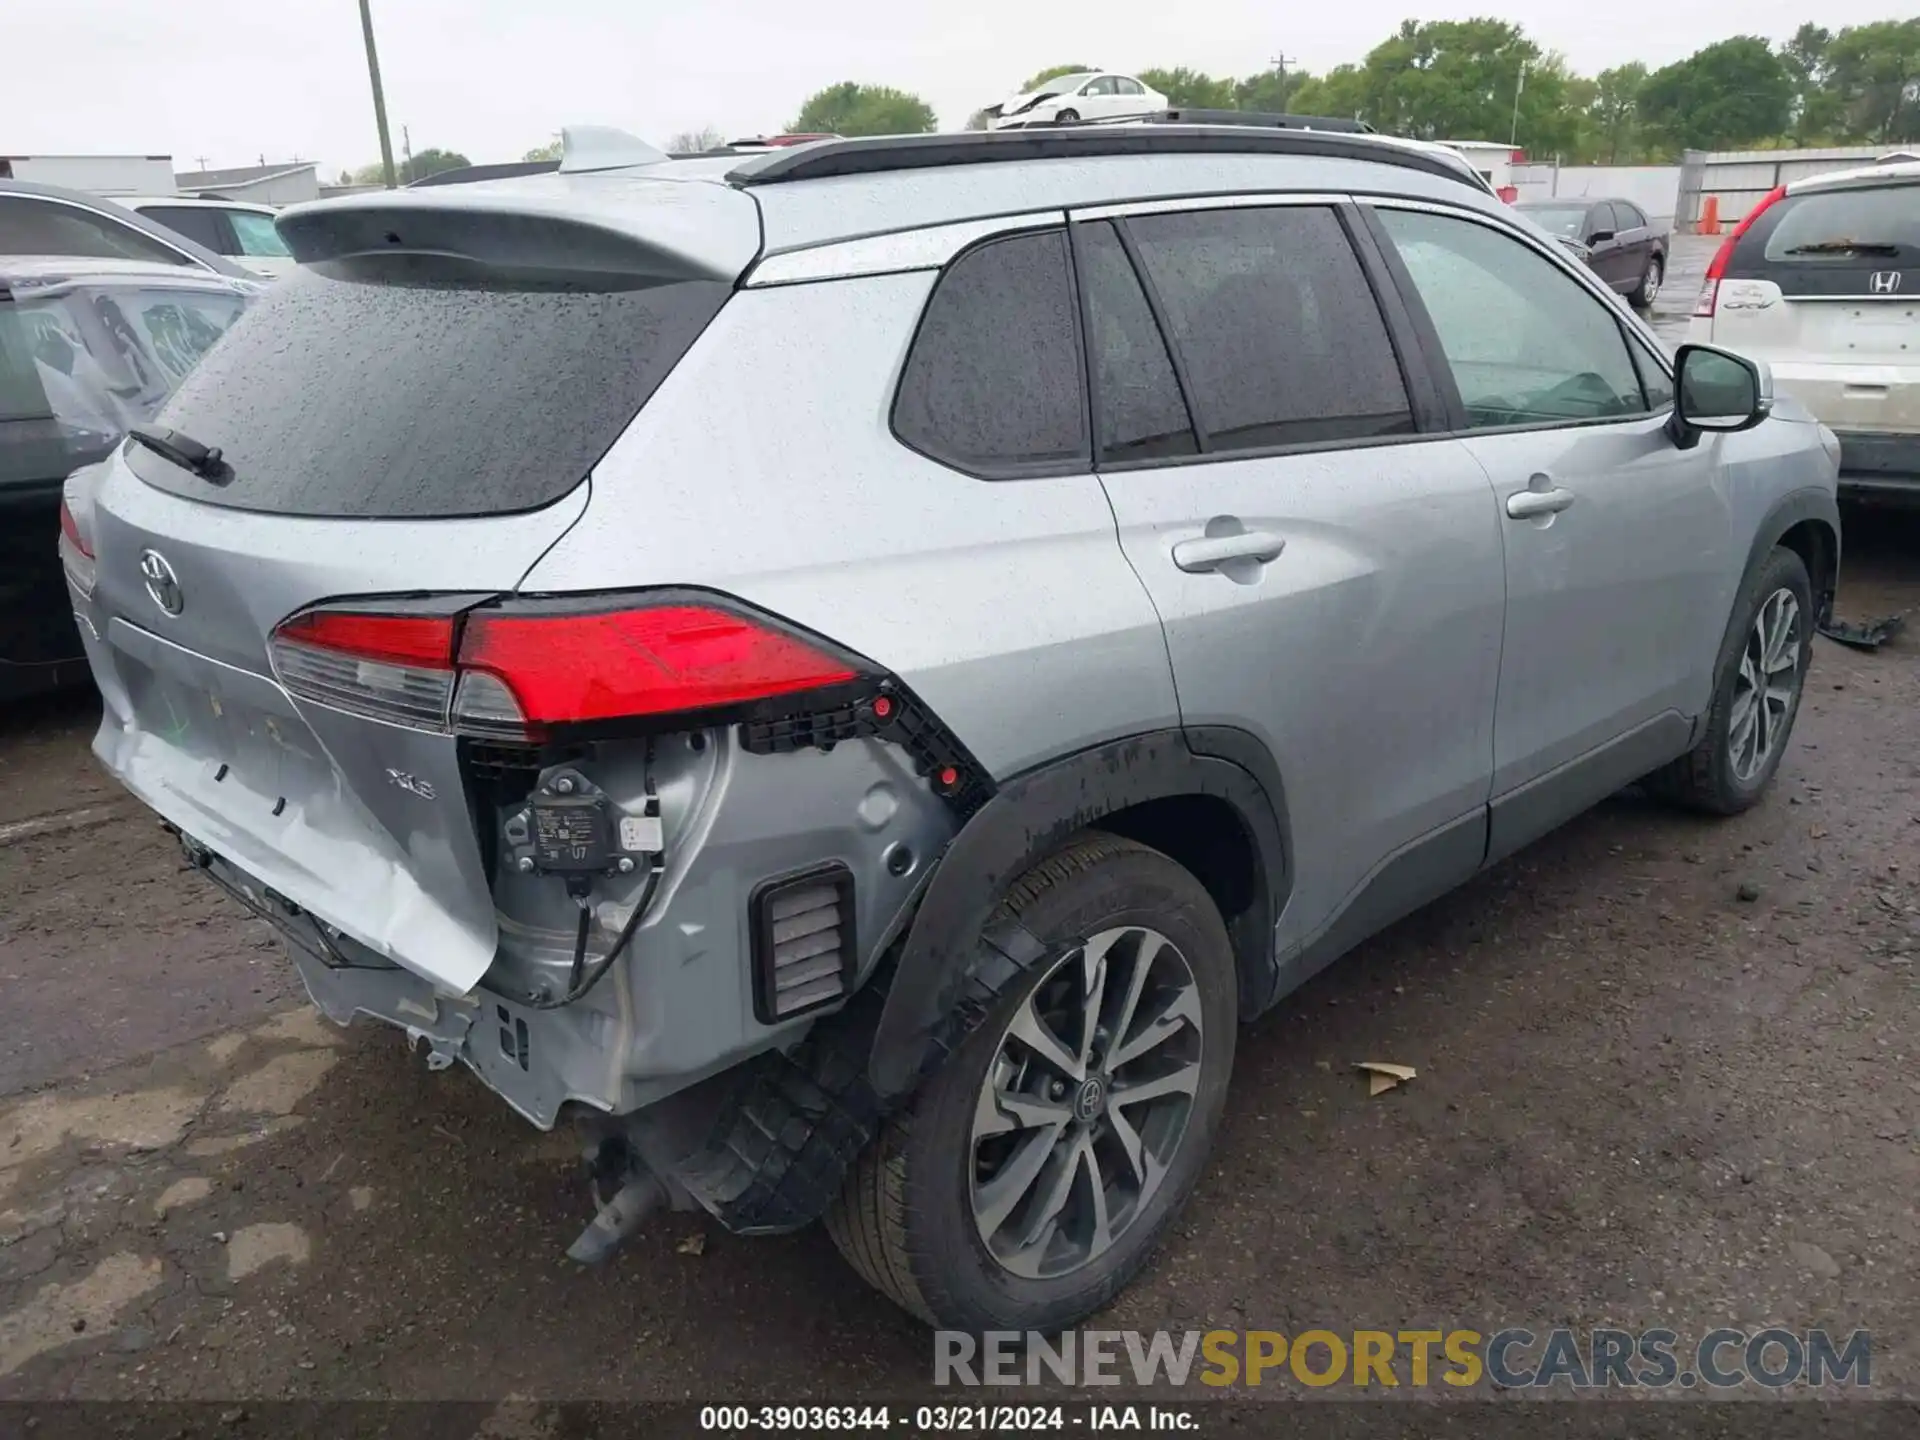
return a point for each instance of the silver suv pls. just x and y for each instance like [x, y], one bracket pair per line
[858, 668]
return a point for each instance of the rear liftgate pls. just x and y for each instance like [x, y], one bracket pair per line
[536, 690]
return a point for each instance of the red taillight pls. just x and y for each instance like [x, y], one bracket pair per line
[70, 528]
[1704, 307]
[566, 668]
[527, 671]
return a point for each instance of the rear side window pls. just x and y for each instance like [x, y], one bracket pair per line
[196, 222]
[410, 391]
[1278, 332]
[992, 385]
[32, 226]
[1837, 242]
[1137, 406]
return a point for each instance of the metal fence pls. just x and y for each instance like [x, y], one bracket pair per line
[1739, 178]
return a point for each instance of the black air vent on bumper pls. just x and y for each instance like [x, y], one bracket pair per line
[803, 942]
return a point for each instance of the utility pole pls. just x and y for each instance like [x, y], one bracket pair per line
[1519, 84]
[379, 97]
[1280, 69]
[406, 148]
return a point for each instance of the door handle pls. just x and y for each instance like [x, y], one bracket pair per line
[1197, 556]
[1527, 504]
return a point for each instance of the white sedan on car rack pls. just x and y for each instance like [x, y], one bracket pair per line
[1089, 95]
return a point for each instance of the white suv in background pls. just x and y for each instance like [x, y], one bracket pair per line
[243, 233]
[1822, 281]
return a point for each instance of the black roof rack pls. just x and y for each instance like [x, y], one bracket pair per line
[877, 154]
[1272, 120]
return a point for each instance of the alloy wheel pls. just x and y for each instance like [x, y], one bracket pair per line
[1765, 685]
[1650, 287]
[1086, 1103]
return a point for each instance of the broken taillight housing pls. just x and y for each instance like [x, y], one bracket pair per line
[521, 670]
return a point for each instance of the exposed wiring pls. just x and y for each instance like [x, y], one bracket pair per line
[605, 962]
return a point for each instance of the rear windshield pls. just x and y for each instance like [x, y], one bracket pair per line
[413, 393]
[1837, 242]
[79, 363]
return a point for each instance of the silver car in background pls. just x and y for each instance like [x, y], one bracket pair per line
[856, 669]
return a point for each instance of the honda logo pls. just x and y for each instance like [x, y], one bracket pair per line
[1884, 282]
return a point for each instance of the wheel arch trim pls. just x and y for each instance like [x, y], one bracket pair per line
[932, 1003]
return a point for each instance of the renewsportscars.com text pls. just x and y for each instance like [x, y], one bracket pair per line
[1514, 1358]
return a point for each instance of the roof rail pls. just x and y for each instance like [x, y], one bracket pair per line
[1272, 120]
[878, 154]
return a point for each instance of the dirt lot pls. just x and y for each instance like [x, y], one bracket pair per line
[1641, 1100]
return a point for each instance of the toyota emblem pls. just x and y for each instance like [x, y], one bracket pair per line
[162, 584]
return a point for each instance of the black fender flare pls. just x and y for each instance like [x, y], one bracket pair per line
[1812, 502]
[948, 970]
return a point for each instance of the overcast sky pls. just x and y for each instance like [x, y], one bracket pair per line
[231, 80]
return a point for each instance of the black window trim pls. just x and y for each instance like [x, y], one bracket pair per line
[1027, 470]
[1428, 337]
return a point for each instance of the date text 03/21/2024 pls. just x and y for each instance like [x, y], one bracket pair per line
[944, 1419]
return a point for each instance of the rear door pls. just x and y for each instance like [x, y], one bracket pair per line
[1612, 251]
[1328, 576]
[1619, 553]
[1825, 287]
[413, 424]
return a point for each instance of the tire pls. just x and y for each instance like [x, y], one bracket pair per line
[1649, 287]
[1067, 117]
[909, 1220]
[1712, 777]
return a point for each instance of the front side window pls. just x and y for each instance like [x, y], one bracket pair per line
[1526, 343]
[1279, 334]
[1103, 86]
[32, 226]
[257, 236]
[1124, 86]
[993, 385]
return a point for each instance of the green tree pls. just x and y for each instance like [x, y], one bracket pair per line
[1614, 113]
[1341, 92]
[1873, 77]
[1271, 92]
[1053, 72]
[1805, 56]
[548, 151]
[1730, 93]
[854, 109]
[1459, 80]
[1189, 89]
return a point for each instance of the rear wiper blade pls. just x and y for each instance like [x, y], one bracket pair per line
[1845, 247]
[183, 450]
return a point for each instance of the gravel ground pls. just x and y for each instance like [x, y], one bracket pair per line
[1642, 1100]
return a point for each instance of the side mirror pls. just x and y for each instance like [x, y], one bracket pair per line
[1599, 237]
[1719, 391]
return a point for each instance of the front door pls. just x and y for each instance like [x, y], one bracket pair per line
[1329, 579]
[1618, 543]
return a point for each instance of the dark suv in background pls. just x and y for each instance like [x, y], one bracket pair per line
[1614, 237]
